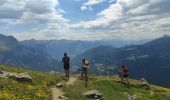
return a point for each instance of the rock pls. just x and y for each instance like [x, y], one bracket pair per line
[144, 83]
[23, 77]
[96, 96]
[93, 94]
[59, 85]
[3, 76]
[1, 72]
[132, 97]
[9, 74]
[62, 97]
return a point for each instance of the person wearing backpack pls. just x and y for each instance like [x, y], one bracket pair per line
[66, 63]
[125, 74]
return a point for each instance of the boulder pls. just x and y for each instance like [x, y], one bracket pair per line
[144, 83]
[9, 74]
[3, 76]
[24, 77]
[1, 72]
[93, 94]
[59, 85]
[62, 97]
[132, 97]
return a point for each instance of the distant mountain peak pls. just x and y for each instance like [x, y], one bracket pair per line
[166, 36]
[162, 40]
[8, 41]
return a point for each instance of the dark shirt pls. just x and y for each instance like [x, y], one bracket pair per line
[66, 61]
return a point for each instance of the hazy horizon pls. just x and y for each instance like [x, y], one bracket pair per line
[132, 20]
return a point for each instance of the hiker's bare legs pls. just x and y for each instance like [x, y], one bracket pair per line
[121, 79]
[86, 74]
[127, 80]
[68, 73]
[82, 72]
[86, 77]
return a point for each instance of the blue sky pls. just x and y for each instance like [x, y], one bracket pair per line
[76, 14]
[85, 19]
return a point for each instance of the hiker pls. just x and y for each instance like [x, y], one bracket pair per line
[120, 73]
[124, 71]
[85, 65]
[66, 63]
[144, 83]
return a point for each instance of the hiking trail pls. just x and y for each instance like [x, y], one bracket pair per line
[57, 92]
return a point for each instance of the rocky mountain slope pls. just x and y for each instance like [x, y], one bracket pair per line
[150, 60]
[13, 53]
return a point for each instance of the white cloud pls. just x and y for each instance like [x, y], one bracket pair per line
[27, 11]
[105, 17]
[126, 19]
[139, 10]
[72, 35]
[88, 5]
[110, 1]
[84, 8]
[132, 19]
[93, 2]
[61, 11]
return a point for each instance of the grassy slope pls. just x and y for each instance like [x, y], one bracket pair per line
[37, 90]
[115, 91]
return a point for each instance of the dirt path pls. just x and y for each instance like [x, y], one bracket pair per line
[71, 81]
[56, 92]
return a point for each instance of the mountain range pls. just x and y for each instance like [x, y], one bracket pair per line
[150, 60]
[13, 53]
[56, 48]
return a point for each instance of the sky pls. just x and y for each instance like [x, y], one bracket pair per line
[85, 19]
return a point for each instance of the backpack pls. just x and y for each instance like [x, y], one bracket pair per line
[125, 70]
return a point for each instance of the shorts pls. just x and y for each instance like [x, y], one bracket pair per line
[84, 70]
[66, 67]
[125, 75]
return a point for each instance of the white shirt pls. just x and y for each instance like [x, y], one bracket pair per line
[86, 64]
